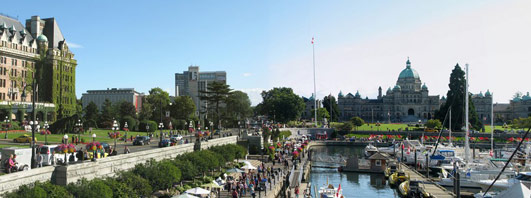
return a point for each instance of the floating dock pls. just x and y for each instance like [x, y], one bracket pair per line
[434, 189]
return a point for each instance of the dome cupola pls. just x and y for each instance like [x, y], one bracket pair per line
[408, 72]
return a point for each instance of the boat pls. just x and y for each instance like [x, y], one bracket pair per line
[330, 192]
[391, 150]
[370, 150]
[397, 178]
[412, 188]
[390, 170]
[504, 184]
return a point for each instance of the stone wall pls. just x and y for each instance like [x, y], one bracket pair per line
[10, 182]
[105, 167]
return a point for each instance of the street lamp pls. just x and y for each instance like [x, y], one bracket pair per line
[190, 128]
[161, 126]
[46, 126]
[65, 137]
[79, 126]
[6, 122]
[114, 128]
[94, 151]
[126, 129]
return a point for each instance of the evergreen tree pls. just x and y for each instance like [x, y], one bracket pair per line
[216, 95]
[456, 101]
[91, 113]
[327, 100]
[107, 114]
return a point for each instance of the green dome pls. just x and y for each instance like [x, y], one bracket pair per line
[42, 38]
[397, 87]
[488, 93]
[424, 86]
[408, 72]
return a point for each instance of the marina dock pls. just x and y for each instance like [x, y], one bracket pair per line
[435, 190]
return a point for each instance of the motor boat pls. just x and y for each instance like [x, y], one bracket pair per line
[397, 178]
[329, 191]
[391, 150]
[504, 184]
[370, 150]
[390, 170]
[412, 188]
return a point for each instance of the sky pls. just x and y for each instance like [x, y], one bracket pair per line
[359, 45]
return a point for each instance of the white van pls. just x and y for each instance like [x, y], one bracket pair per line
[23, 156]
[46, 153]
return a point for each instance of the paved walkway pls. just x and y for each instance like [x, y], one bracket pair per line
[435, 190]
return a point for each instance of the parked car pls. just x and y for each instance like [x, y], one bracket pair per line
[23, 138]
[498, 131]
[46, 153]
[141, 140]
[176, 138]
[165, 143]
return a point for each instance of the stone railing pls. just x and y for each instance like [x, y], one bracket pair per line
[219, 142]
[10, 182]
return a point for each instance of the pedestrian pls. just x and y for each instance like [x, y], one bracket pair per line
[126, 150]
[297, 192]
[234, 194]
[52, 158]
[39, 160]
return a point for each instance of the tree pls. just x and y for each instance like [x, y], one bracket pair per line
[138, 184]
[522, 123]
[124, 108]
[321, 114]
[357, 122]
[91, 114]
[107, 114]
[238, 106]
[183, 108]
[159, 100]
[345, 126]
[216, 94]
[433, 124]
[456, 101]
[281, 104]
[327, 100]
[146, 111]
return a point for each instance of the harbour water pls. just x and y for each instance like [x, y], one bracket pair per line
[353, 184]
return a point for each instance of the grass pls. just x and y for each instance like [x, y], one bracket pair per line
[396, 127]
[10, 145]
[101, 136]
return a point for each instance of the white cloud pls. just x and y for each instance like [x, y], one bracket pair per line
[74, 45]
[494, 40]
[247, 74]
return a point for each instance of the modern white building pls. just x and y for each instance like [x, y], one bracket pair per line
[114, 95]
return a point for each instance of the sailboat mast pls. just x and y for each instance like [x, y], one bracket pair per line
[450, 127]
[467, 146]
[492, 123]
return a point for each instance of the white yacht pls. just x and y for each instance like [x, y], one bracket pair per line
[370, 150]
[330, 192]
[504, 184]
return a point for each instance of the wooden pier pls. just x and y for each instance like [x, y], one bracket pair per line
[434, 189]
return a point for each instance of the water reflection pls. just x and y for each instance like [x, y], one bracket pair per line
[353, 184]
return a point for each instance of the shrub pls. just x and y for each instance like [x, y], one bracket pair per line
[140, 185]
[39, 189]
[132, 123]
[161, 175]
[191, 170]
[90, 189]
[152, 125]
[119, 189]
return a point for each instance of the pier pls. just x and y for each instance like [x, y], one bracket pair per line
[435, 190]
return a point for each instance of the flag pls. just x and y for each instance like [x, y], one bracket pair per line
[312, 40]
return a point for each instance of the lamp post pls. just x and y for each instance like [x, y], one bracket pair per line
[79, 126]
[190, 127]
[94, 151]
[65, 137]
[46, 126]
[126, 128]
[114, 128]
[6, 122]
[161, 126]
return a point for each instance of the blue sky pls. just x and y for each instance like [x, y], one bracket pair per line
[360, 45]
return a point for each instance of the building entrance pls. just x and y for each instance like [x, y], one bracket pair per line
[410, 112]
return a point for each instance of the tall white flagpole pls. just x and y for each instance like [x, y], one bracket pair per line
[467, 146]
[314, 87]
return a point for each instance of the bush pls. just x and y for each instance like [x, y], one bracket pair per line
[161, 175]
[152, 125]
[27, 191]
[132, 123]
[39, 189]
[119, 189]
[191, 170]
[90, 189]
[346, 126]
[140, 185]
[90, 123]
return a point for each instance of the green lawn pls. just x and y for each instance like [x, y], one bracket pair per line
[9, 145]
[101, 136]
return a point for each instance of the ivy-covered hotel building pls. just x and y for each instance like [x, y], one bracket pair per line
[38, 47]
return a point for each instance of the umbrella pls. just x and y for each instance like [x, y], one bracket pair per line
[185, 195]
[198, 191]
[247, 163]
[249, 167]
[211, 185]
[234, 170]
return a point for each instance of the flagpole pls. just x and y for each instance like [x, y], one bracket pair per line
[467, 136]
[314, 87]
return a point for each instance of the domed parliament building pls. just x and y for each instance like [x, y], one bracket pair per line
[407, 101]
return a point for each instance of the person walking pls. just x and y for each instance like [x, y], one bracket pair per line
[234, 193]
[297, 192]
[126, 150]
[39, 160]
[10, 164]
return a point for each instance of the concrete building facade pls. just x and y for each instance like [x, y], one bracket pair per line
[114, 95]
[192, 82]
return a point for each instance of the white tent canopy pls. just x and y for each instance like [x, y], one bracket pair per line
[185, 195]
[198, 191]
[249, 167]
